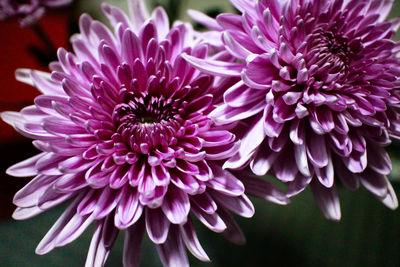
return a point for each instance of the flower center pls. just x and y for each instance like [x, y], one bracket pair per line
[336, 45]
[146, 119]
[331, 51]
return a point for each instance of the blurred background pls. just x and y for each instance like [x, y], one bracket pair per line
[296, 235]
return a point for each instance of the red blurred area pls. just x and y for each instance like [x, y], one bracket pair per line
[16, 47]
[15, 52]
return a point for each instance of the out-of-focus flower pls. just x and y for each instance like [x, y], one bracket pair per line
[124, 131]
[319, 88]
[28, 11]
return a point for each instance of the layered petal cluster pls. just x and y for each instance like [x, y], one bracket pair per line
[124, 131]
[28, 11]
[319, 90]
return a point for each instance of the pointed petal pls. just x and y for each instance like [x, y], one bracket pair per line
[204, 20]
[327, 200]
[172, 252]
[103, 239]
[157, 225]
[26, 213]
[265, 190]
[251, 140]
[214, 67]
[211, 221]
[129, 210]
[25, 168]
[240, 205]
[49, 241]
[138, 13]
[132, 244]
[232, 232]
[192, 242]
[176, 205]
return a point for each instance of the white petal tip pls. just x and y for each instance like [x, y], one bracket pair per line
[11, 117]
[390, 202]
[279, 200]
[334, 215]
[42, 251]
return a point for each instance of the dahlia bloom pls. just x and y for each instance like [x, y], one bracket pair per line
[124, 131]
[319, 90]
[28, 11]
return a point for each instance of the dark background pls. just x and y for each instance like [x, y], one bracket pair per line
[295, 235]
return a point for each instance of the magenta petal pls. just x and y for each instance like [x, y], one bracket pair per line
[211, 221]
[73, 229]
[30, 194]
[52, 198]
[50, 240]
[172, 252]
[25, 168]
[161, 20]
[349, 179]
[204, 19]
[253, 137]
[176, 205]
[204, 202]
[378, 159]
[88, 202]
[240, 95]
[186, 183]
[215, 67]
[26, 213]
[119, 177]
[234, 47]
[374, 182]
[263, 161]
[264, 190]
[70, 182]
[133, 241]
[356, 162]
[325, 174]
[261, 71]
[317, 151]
[138, 12]
[298, 185]
[106, 202]
[103, 239]
[327, 200]
[230, 22]
[225, 114]
[390, 199]
[285, 171]
[301, 158]
[240, 205]
[232, 232]
[128, 210]
[157, 225]
[191, 240]
[225, 183]
[115, 15]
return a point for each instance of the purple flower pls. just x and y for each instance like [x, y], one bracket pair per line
[124, 131]
[319, 89]
[28, 11]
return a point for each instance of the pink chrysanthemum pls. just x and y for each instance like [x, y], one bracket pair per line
[319, 89]
[28, 11]
[124, 132]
